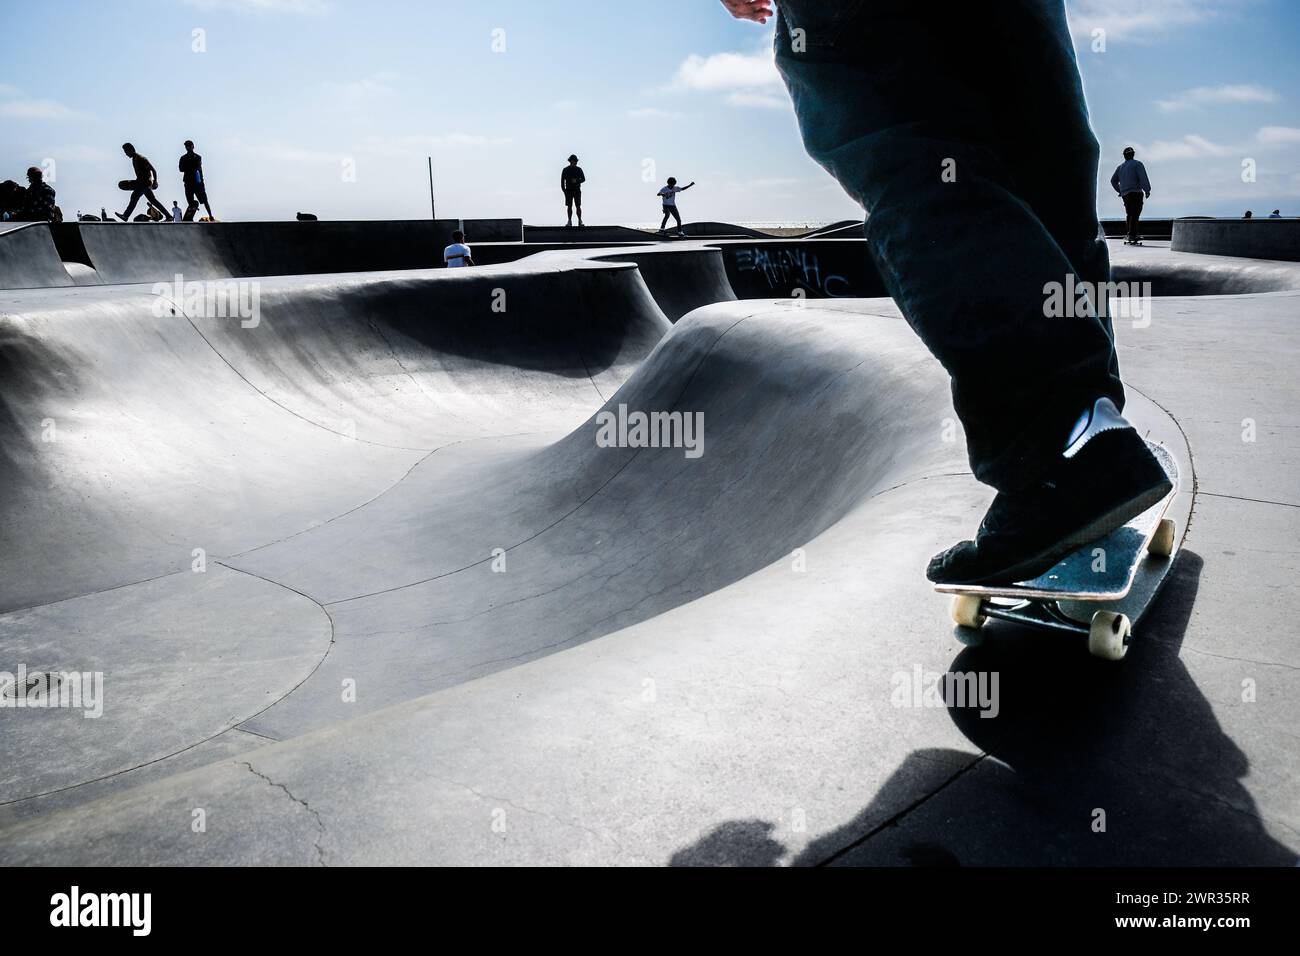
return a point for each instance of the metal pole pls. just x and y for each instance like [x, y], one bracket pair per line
[433, 208]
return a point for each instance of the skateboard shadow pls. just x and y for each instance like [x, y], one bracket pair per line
[1086, 764]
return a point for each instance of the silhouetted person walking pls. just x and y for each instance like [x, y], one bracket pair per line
[145, 182]
[196, 190]
[571, 179]
[1131, 183]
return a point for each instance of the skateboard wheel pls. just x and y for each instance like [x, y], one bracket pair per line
[1108, 636]
[968, 611]
[1162, 542]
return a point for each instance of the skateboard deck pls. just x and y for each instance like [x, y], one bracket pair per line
[1097, 590]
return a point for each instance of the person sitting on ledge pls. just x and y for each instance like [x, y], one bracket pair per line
[1275, 214]
[38, 199]
[1249, 215]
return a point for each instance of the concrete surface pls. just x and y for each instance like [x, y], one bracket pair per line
[439, 624]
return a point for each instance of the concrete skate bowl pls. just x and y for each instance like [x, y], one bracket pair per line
[387, 482]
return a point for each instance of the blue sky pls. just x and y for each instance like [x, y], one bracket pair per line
[331, 106]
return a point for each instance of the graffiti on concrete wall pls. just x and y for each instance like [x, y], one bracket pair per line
[786, 268]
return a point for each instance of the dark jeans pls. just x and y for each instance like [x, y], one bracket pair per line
[671, 211]
[894, 97]
[196, 193]
[1133, 214]
[143, 189]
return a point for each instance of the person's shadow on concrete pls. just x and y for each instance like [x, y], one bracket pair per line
[1087, 764]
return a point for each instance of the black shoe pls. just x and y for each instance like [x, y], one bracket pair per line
[1111, 478]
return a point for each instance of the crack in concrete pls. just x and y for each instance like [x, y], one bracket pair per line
[320, 823]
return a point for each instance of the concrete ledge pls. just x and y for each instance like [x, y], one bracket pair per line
[1244, 238]
[151, 252]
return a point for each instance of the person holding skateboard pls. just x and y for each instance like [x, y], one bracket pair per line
[1131, 184]
[669, 196]
[145, 182]
[971, 213]
[571, 179]
[196, 190]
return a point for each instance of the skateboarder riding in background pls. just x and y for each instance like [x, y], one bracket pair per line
[669, 196]
[571, 179]
[196, 189]
[1131, 184]
[972, 211]
[145, 182]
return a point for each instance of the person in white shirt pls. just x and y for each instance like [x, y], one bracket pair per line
[669, 196]
[177, 215]
[457, 255]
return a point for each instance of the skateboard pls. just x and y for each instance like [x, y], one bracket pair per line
[1093, 591]
[1132, 242]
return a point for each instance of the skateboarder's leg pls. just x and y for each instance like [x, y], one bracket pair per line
[1133, 206]
[153, 201]
[136, 193]
[976, 230]
[903, 105]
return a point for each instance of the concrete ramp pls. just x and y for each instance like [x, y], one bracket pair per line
[29, 258]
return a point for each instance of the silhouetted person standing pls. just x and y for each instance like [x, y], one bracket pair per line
[145, 182]
[571, 179]
[196, 190]
[1131, 183]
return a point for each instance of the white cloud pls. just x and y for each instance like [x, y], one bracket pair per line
[1140, 20]
[1278, 135]
[747, 79]
[1189, 147]
[14, 104]
[1217, 95]
[727, 71]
